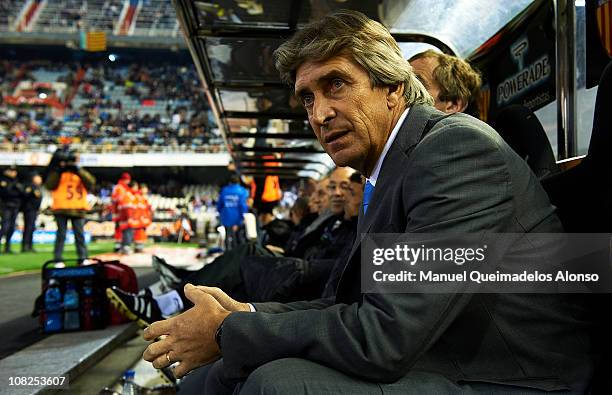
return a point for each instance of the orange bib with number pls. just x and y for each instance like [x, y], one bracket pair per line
[70, 193]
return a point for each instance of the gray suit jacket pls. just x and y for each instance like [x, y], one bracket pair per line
[442, 174]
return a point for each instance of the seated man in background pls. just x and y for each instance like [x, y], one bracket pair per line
[452, 82]
[319, 201]
[455, 86]
[309, 243]
[272, 232]
[299, 214]
[286, 279]
[353, 197]
[318, 205]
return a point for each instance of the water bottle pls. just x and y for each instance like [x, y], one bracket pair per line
[129, 387]
[53, 307]
[90, 312]
[71, 308]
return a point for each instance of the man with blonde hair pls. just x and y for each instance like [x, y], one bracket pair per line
[426, 172]
[452, 82]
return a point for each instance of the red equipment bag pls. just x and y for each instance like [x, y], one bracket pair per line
[123, 277]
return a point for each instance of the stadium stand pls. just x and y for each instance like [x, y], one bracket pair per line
[105, 108]
[157, 17]
[9, 9]
[67, 16]
[151, 18]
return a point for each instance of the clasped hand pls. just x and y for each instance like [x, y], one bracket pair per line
[189, 338]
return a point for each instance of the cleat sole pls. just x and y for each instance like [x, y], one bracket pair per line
[124, 310]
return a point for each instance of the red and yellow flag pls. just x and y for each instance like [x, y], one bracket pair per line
[604, 24]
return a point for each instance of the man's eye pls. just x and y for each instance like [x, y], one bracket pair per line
[307, 100]
[337, 83]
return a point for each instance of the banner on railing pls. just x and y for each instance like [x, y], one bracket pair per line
[47, 237]
[120, 160]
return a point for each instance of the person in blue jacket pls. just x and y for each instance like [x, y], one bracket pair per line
[232, 205]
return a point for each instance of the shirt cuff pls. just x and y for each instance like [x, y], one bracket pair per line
[252, 308]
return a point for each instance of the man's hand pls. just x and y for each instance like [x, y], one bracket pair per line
[189, 338]
[224, 300]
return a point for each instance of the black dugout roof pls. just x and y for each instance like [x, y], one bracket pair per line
[264, 126]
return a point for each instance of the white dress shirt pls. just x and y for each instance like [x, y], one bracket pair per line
[374, 176]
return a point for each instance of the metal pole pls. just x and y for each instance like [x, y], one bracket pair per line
[565, 23]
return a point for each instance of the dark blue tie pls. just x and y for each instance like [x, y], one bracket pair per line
[367, 195]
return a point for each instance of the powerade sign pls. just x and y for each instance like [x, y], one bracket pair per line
[527, 78]
[518, 64]
[47, 237]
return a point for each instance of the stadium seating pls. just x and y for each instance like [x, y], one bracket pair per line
[153, 18]
[124, 108]
[61, 16]
[9, 9]
[156, 17]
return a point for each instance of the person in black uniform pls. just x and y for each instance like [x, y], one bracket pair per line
[31, 203]
[11, 192]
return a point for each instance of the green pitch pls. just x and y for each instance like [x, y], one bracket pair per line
[33, 261]
[28, 261]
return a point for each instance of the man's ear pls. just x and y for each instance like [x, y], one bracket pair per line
[453, 106]
[395, 94]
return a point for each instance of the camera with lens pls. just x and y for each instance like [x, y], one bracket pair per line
[63, 159]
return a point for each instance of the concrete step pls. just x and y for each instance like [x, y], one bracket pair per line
[64, 354]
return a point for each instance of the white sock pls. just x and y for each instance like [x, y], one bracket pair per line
[169, 303]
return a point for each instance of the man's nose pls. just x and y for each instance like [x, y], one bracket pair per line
[322, 111]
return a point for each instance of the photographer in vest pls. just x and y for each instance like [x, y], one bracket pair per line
[69, 185]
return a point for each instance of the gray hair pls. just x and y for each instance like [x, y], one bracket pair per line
[368, 42]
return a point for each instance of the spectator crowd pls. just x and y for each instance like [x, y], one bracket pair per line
[124, 108]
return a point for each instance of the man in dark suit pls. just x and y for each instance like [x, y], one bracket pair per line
[426, 172]
[11, 194]
[30, 206]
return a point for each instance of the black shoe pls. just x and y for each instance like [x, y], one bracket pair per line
[140, 308]
[171, 277]
[168, 375]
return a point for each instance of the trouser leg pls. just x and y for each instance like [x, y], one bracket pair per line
[194, 382]
[9, 217]
[127, 239]
[140, 237]
[60, 236]
[215, 381]
[300, 376]
[29, 224]
[4, 223]
[78, 225]
[118, 236]
[230, 237]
